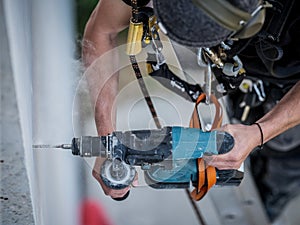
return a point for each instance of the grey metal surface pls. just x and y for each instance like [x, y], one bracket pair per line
[15, 199]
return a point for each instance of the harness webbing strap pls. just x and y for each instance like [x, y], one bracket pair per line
[207, 175]
[218, 114]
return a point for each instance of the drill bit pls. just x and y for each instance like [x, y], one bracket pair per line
[63, 146]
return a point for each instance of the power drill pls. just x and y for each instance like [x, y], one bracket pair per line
[168, 156]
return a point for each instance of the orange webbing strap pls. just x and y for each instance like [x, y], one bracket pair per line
[194, 121]
[207, 176]
[219, 113]
[206, 179]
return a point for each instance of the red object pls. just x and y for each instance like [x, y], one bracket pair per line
[92, 213]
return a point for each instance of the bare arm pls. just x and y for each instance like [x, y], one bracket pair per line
[283, 116]
[106, 21]
[101, 60]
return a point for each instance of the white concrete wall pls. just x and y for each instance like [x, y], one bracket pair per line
[40, 36]
[18, 24]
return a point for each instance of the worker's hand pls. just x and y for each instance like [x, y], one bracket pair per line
[246, 138]
[108, 191]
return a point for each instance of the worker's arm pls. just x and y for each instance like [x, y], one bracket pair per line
[101, 61]
[283, 116]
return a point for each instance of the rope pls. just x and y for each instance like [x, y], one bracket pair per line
[144, 90]
[134, 5]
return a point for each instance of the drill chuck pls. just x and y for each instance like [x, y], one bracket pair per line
[87, 146]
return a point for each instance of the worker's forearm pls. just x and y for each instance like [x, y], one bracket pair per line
[105, 111]
[283, 116]
[102, 78]
[100, 57]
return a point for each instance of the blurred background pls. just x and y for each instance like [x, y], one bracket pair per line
[44, 100]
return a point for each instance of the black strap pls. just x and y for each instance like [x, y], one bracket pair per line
[182, 88]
